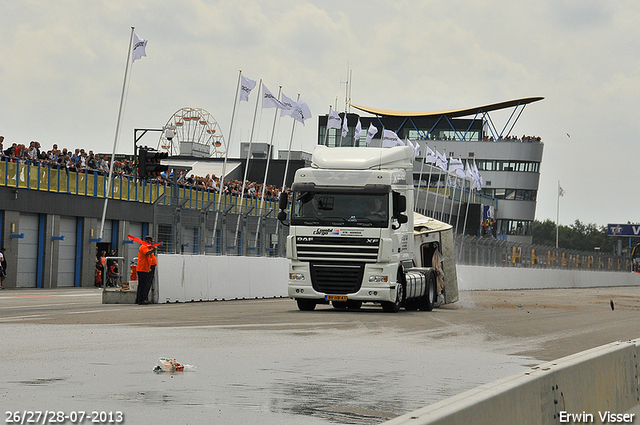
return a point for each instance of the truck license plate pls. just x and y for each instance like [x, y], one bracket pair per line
[335, 297]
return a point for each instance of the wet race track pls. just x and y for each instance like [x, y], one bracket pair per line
[263, 361]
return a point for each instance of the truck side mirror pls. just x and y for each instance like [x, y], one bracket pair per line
[284, 201]
[399, 204]
[402, 204]
[402, 219]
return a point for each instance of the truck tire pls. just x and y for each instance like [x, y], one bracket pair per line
[394, 306]
[428, 300]
[306, 305]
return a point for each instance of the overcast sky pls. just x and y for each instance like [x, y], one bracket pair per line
[62, 66]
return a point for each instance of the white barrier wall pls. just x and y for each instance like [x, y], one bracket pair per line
[596, 382]
[183, 278]
[471, 278]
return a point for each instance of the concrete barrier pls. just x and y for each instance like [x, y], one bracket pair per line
[595, 386]
[185, 278]
[472, 278]
[182, 278]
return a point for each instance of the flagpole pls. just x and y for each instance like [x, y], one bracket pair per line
[446, 178]
[453, 195]
[226, 155]
[444, 194]
[326, 134]
[342, 126]
[420, 180]
[557, 213]
[471, 188]
[431, 164]
[115, 140]
[266, 169]
[246, 165]
[286, 167]
[466, 214]
[464, 182]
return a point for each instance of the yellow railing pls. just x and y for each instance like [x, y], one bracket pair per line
[124, 188]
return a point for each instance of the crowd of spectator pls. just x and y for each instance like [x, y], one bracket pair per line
[80, 160]
[232, 187]
[512, 138]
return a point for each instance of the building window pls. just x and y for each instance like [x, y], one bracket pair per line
[514, 227]
[517, 166]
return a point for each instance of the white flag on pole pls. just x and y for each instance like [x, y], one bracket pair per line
[290, 103]
[390, 139]
[139, 45]
[358, 132]
[270, 101]
[415, 148]
[302, 111]
[441, 161]
[468, 172]
[560, 190]
[246, 86]
[477, 178]
[345, 127]
[333, 119]
[430, 157]
[299, 109]
[372, 131]
[455, 165]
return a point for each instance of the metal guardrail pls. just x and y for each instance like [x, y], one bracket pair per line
[487, 251]
[93, 183]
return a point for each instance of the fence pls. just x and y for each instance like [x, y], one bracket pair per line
[487, 251]
[93, 183]
[249, 231]
[189, 221]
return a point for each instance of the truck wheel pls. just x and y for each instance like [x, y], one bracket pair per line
[394, 307]
[412, 304]
[306, 305]
[429, 298]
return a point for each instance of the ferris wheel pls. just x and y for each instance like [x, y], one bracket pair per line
[196, 133]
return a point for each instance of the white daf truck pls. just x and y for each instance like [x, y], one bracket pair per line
[354, 238]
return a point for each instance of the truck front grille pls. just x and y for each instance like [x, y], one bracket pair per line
[337, 278]
[337, 249]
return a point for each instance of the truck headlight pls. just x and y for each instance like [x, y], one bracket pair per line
[378, 279]
[296, 276]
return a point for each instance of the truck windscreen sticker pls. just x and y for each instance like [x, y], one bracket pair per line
[338, 232]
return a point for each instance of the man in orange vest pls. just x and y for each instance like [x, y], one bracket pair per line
[143, 269]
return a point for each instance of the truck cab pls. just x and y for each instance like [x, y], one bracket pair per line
[352, 238]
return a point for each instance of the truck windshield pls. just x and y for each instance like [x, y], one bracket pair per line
[340, 209]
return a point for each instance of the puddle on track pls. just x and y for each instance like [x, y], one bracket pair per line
[356, 376]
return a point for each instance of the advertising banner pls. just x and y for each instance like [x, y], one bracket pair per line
[623, 229]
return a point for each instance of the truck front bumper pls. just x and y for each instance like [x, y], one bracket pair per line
[301, 286]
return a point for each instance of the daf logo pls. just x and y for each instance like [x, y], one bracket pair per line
[304, 239]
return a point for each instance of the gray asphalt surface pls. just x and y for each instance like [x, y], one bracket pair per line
[263, 361]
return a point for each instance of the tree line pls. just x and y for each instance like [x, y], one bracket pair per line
[577, 236]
